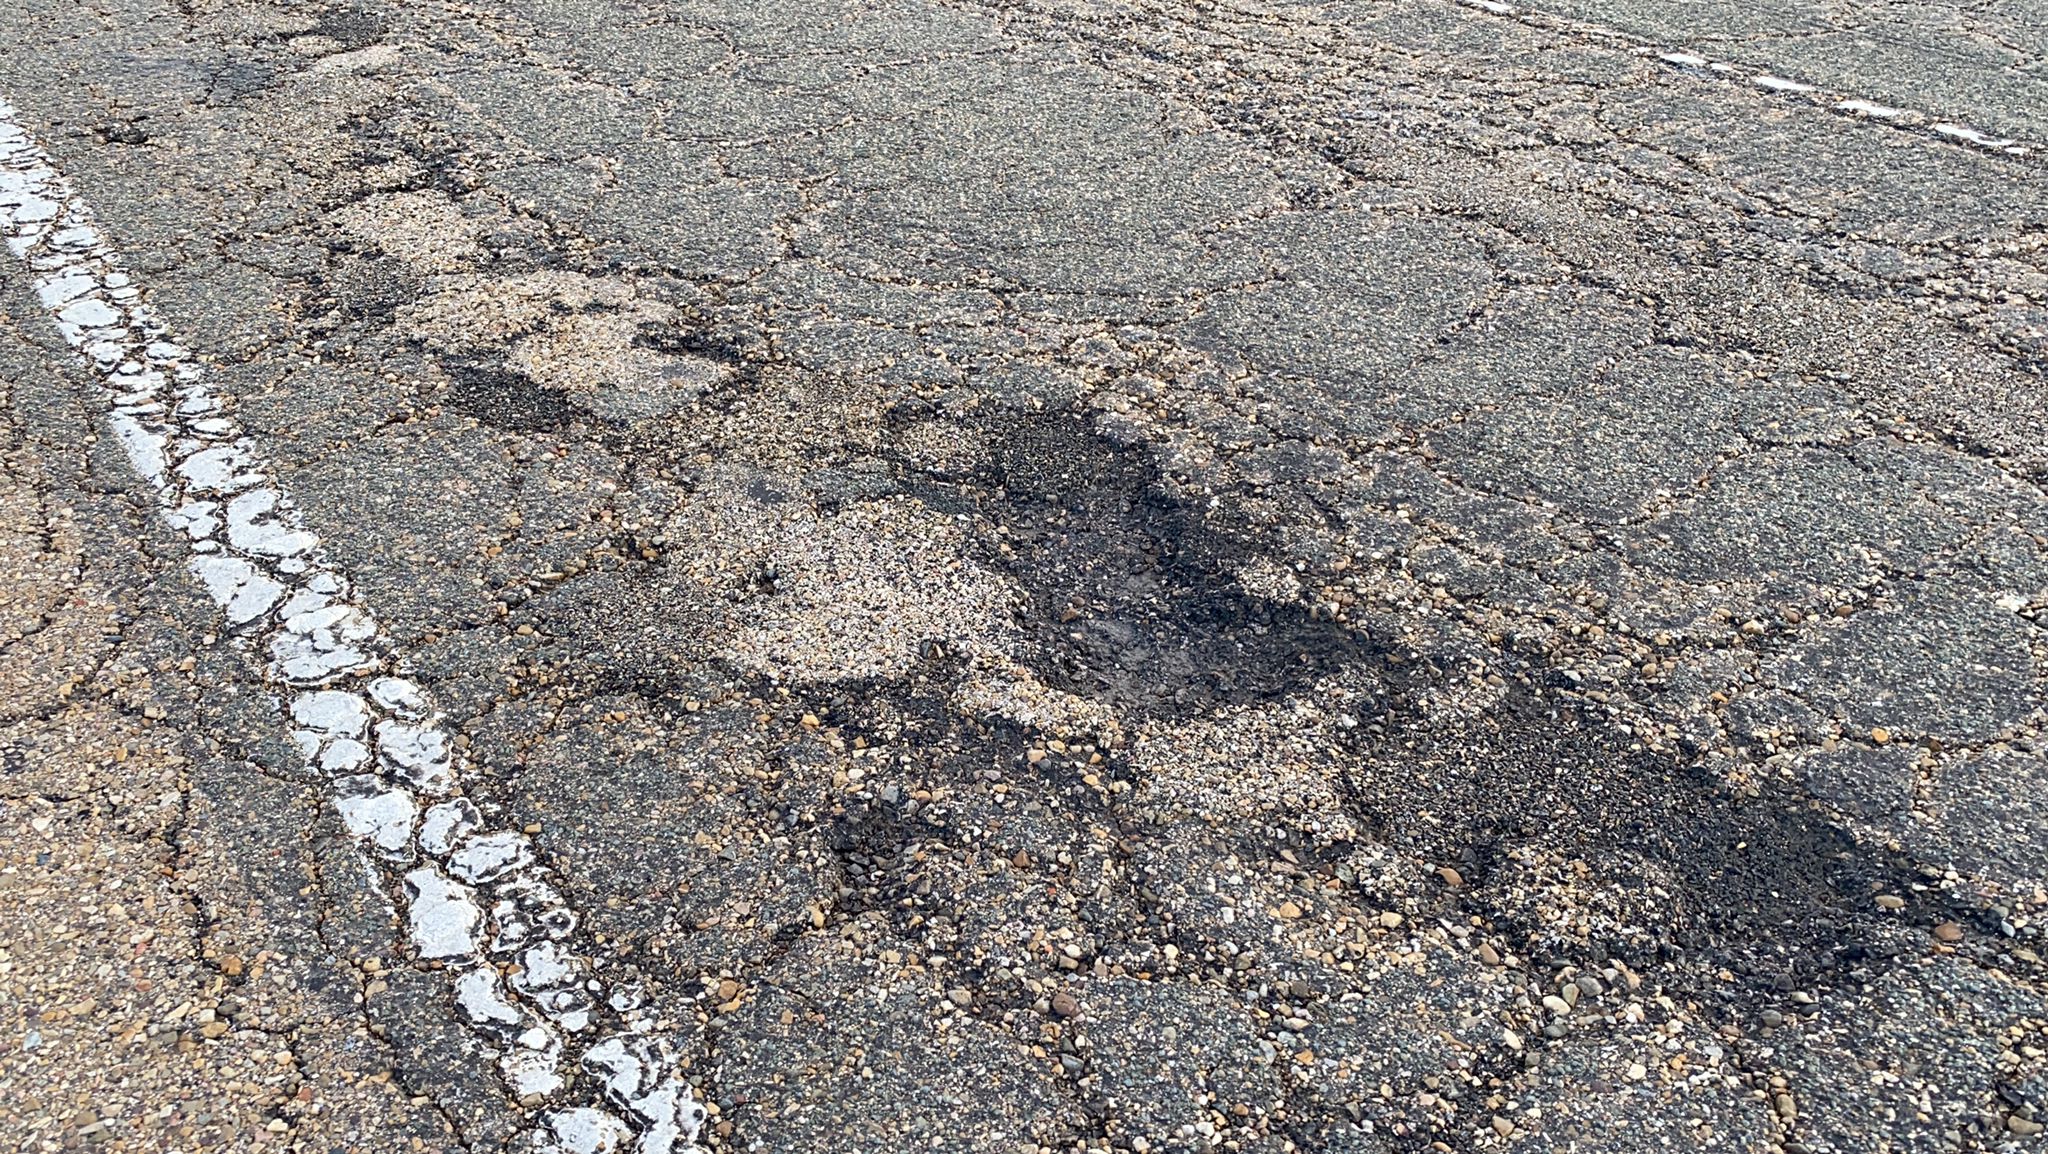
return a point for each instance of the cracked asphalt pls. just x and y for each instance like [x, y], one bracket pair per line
[1068, 575]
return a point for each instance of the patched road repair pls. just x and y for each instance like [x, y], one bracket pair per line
[1376, 577]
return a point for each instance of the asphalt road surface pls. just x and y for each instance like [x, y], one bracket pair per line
[1067, 575]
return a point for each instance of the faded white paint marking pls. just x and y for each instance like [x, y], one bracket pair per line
[474, 898]
[1694, 63]
[1965, 133]
[1866, 108]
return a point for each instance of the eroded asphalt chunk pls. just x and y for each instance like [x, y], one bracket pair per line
[1034, 577]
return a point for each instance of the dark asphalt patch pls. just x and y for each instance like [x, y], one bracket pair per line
[1135, 596]
[352, 26]
[1533, 794]
[507, 400]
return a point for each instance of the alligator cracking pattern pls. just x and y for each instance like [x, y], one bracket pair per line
[575, 1046]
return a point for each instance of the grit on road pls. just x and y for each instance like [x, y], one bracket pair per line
[1042, 576]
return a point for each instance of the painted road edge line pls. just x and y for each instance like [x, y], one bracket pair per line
[573, 1044]
[1692, 62]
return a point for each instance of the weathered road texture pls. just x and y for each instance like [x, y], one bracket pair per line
[1970, 61]
[170, 968]
[1362, 577]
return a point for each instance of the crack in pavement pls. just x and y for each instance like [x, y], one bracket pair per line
[573, 1041]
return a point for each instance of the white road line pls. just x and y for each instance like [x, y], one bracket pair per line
[1695, 63]
[578, 1049]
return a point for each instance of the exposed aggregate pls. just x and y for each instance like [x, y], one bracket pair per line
[1155, 577]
